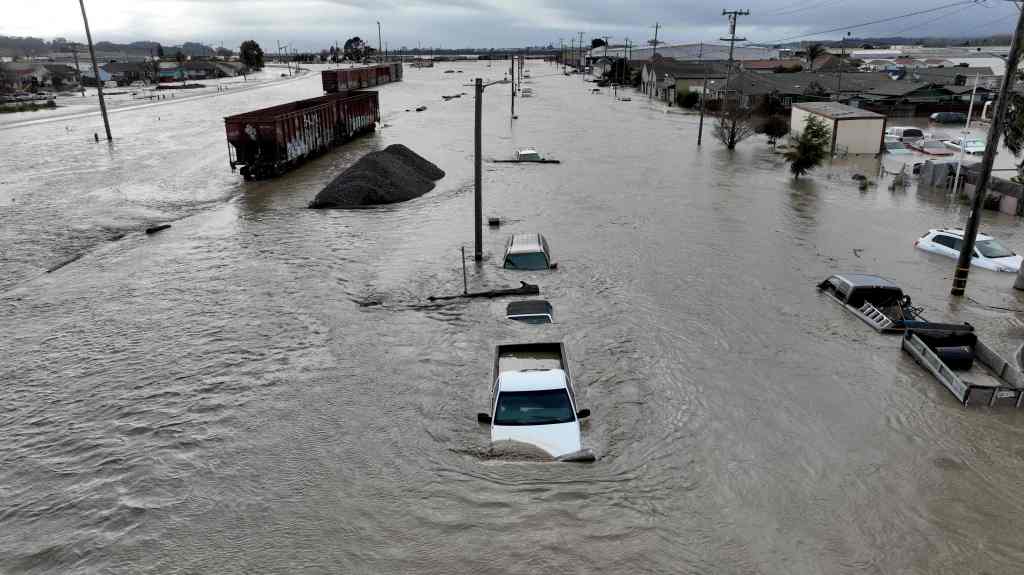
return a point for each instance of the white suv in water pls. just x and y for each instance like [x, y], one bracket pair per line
[988, 252]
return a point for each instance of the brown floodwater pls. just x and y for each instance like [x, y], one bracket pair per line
[222, 398]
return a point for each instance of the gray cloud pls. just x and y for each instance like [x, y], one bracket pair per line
[312, 24]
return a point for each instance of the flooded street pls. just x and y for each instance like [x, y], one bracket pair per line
[225, 397]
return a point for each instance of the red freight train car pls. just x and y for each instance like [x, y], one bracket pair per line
[271, 141]
[354, 78]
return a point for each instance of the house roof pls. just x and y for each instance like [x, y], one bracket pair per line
[808, 83]
[679, 69]
[944, 75]
[837, 111]
[896, 88]
[770, 64]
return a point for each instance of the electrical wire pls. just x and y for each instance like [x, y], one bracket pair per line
[929, 21]
[873, 22]
[823, 4]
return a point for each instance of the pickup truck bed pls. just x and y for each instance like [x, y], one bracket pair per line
[534, 356]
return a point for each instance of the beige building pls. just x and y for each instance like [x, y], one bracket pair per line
[854, 131]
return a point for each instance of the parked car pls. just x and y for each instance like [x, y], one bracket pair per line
[930, 147]
[948, 117]
[973, 146]
[533, 401]
[528, 252]
[905, 133]
[897, 148]
[988, 252]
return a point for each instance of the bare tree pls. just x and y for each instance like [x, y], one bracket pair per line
[733, 124]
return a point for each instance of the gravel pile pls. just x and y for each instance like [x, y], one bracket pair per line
[394, 174]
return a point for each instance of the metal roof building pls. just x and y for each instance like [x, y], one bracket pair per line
[854, 131]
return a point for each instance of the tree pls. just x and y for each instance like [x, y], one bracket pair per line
[811, 148]
[159, 51]
[1013, 129]
[688, 99]
[774, 127]
[224, 53]
[733, 125]
[354, 49]
[251, 54]
[180, 57]
[597, 43]
[813, 52]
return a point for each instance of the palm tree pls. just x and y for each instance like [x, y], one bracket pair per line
[813, 52]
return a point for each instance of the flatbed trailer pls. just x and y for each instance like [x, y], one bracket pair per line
[973, 372]
[270, 141]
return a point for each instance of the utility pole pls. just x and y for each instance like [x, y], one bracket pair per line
[380, 46]
[580, 59]
[839, 80]
[654, 52]
[703, 98]
[78, 70]
[96, 72]
[478, 213]
[512, 77]
[732, 39]
[963, 265]
[605, 38]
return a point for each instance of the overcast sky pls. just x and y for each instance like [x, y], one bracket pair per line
[314, 24]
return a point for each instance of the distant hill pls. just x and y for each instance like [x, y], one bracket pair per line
[16, 46]
[981, 42]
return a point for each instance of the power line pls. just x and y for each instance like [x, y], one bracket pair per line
[873, 22]
[822, 4]
[930, 20]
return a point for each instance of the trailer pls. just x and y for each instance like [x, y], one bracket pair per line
[268, 142]
[963, 364]
[342, 79]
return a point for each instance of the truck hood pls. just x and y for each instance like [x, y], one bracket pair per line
[557, 439]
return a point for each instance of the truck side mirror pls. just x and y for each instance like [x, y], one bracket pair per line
[483, 418]
[583, 413]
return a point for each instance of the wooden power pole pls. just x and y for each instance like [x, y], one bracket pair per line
[963, 265]
[96, 72]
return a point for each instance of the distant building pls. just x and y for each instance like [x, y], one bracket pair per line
[23, 76]
[699, 51]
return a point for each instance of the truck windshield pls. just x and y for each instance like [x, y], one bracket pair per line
[530, 261]
[993, 249]
[541, 407]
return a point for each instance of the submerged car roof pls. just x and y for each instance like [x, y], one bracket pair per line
[958, 233]
[867, 280]
[525, 243]
[532, 307]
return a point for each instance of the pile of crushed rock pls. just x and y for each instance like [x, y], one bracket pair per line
[394, 174]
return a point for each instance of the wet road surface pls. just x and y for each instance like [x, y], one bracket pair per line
[218, 398]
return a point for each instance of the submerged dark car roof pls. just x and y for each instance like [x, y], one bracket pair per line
[532, 307]
[866, 280]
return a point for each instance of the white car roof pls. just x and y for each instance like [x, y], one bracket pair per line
[958, 233]
[531, 380]
[525, 244]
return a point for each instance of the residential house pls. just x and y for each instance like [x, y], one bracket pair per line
[127, 72]
[906, 98]
[23, 76]
[770, 66]
[62, 76]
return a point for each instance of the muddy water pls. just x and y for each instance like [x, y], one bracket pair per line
[220, 397]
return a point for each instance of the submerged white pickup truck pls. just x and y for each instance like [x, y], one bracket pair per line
[533, 401]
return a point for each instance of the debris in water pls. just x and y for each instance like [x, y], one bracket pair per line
[394, 174]
[156, 229]
[421, 108]
[494, 222]
[523, 289]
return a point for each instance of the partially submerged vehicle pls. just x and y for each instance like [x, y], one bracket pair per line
[904, 133]
[989, 253]
[930, 147]
[533, 401]
[972, 146]
[969, 369]
[536, 311]
[527, 252]
[528, 155]
[878, 302]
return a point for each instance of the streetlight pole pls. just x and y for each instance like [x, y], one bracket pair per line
[96, 72]
[963, 264]
[380, 46]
